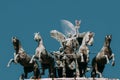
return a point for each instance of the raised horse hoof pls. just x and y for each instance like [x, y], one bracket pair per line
[8, 65]
[113, 63]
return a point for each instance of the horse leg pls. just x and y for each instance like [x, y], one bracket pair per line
[84, 69]
[81, 69]
[55, 73]
[82, 59]
[25, 72]
[107, 58]
[51, 71]
[87, 60]
[64, 69]
[31, 61]
[43, 69]
[97, 72]
[10, 61]
[59, 72]
[77, 69]
[93, 73]
[94, 65]
[24, 75]
[113, 59]
[36, 72]
[81, 74]
[15, 57]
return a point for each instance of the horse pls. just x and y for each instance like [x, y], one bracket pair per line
[22, 58]
[102, 58]
[58, 55]
[83, 53]
[46, 59]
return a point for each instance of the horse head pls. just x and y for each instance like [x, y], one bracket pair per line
[89, 38]
[37, 37]
[16, 43]
[108, 39]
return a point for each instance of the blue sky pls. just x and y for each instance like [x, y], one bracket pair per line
[22, 18]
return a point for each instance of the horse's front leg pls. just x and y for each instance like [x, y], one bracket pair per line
[81, 55]
[113, 59]
[43, 69]
[64, 69]
[31, 61]
[15, 57]
[77, 69]
[87, 55]
[107, 58]
[13, 60]
[51, 71]
[10, 61]
[26, 70]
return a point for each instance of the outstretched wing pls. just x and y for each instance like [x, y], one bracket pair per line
[57, 35]
[68, 27]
